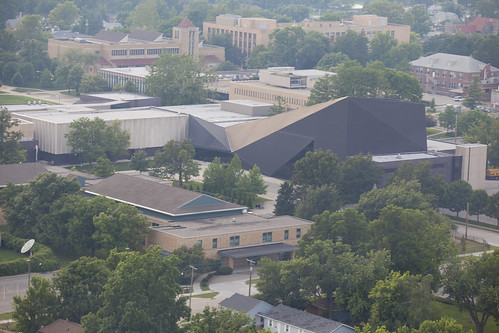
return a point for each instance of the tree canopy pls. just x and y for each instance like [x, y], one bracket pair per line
[176, 158]
[10, 148]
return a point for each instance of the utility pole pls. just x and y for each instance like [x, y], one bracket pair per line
[29, 272]
[251, 263]
[192, 282]
[467, 214]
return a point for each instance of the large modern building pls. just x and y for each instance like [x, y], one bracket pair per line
[247, 33]
[137, 49]
[451, 75]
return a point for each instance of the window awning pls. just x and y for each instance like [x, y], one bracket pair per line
[258, 250]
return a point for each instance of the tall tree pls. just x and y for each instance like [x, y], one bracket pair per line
[474, 94]
[492, 208]
[323, 90]
[447, 118]
[354, 45]
[252, 183]
[421, 23]
[317, 168]
[37, 308]
[10, 148]
[92, 83]
[79, 286]
[176, 158]
[286, 199]
[177, 79]
[73, 80]
[64, 15]
[457, 195]
[473, 283]
[401, 299]
[478, 203]
[317, 200]
[139, 161]
[140, 296]
[394, 11]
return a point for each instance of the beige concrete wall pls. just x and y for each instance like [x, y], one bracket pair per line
[474, 164]
[27, 128]
[292, 98]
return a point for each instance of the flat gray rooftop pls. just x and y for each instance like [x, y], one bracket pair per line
[134, 71]
[405, 157]
[225, 225]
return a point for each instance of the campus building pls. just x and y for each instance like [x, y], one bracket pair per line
[247, 33]
[137, 49]
[451, 75]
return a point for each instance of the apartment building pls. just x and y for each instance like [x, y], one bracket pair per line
[451, 75]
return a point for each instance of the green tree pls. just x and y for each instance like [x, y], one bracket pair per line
[197, 11]
[493, 149]
[421, 23]
[354, 45]
[73, 79]
[478, 201]
[37, 308]
[323, 90]
[64, 15]
[145, 16]
[79, 286]
[46, 79]
[381, 44]
[120, 227]
[403, 194]
[474, 285]
[443, 325]
[214, 177]
[284, 45]
[393, 11]
[492, 208]
[331, 60]
[92, 138]
[75, 56]
[139, 161]
[286, 200]
[447, 118]
[103, 167]
[401, 299]
[311, 49]
[10, 148]
[418, 241]
[252, 183]
[317, 168]
[474, 94]
[213, 320]
[177, 79]
[467, 120]
[279, 107]
[457, 195]
[232, 52]
[17, 80]
[486, 49]
[140, 296]
[318, 200]
[188, 257]
[30, 27]
[28, 209]
[176, 158]
[358, 175]
[92, 83]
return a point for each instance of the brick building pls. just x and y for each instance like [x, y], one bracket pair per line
[451, 75]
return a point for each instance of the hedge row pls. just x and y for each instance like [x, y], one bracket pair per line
[43, 259]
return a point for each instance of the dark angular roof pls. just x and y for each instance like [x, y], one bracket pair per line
[240, 302]
[110, 36]
[303, 320]
[20, 173]
[204, 134]
[61, 326]
[145, 35]
[186, 23]
[160, 198]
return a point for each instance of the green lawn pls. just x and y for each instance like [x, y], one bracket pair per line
[8, 255]
[431, 131]
[471, 246]
[207, 295]
[24, 90]
[462, 317]
[443, 135]
[14, 99]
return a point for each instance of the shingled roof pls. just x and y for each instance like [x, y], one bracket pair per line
[186, 23]
[240, 302]
[19, 174]
[152, 196]
[111, 36]
[452, 62]
[150, 36]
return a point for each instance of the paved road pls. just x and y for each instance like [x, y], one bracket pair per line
[14, 285]
[492, 237]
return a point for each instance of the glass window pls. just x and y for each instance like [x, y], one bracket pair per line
[267, 237]
[215, 243]
[200, 243]
[298, 233]
[286, 234]
[234, 241]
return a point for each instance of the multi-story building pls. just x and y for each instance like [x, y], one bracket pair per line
[137, 49]
[246, 32]
[250, 32]
[285, 85]
[451, 75]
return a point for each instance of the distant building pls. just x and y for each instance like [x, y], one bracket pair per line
[137, 49]
[249, 305]
[451, 75]
[61, 326]
[284, 85]
[247, 33]
[480, 25]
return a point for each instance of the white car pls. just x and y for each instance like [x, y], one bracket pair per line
[459, 98]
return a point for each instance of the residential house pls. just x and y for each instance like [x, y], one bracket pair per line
[61, 326]
[249, 305]
[289, 320]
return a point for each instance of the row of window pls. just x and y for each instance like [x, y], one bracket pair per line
[270, 97]
[266, 237]
[437, 73]
[442, 84]
[134, 52]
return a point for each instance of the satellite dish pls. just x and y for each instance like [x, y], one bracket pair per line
[27, 246]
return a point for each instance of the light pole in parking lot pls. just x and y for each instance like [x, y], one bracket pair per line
[251, 263]
[192, 282]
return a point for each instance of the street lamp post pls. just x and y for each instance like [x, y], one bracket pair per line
[251, 262]
[29, 272]
[192, 282]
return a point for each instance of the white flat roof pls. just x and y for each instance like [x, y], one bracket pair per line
[120, 96]
[434, 145]
[212, 113]
[402, 157]
[61, 117]
[135, 71]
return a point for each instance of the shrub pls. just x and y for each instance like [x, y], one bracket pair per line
[224, 271]
[43, 259]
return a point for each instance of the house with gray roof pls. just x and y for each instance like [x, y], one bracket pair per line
[249, 305]
[20, 173]
[451, 74]
[286, 319]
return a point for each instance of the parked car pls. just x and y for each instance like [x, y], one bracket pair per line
[459, 98]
